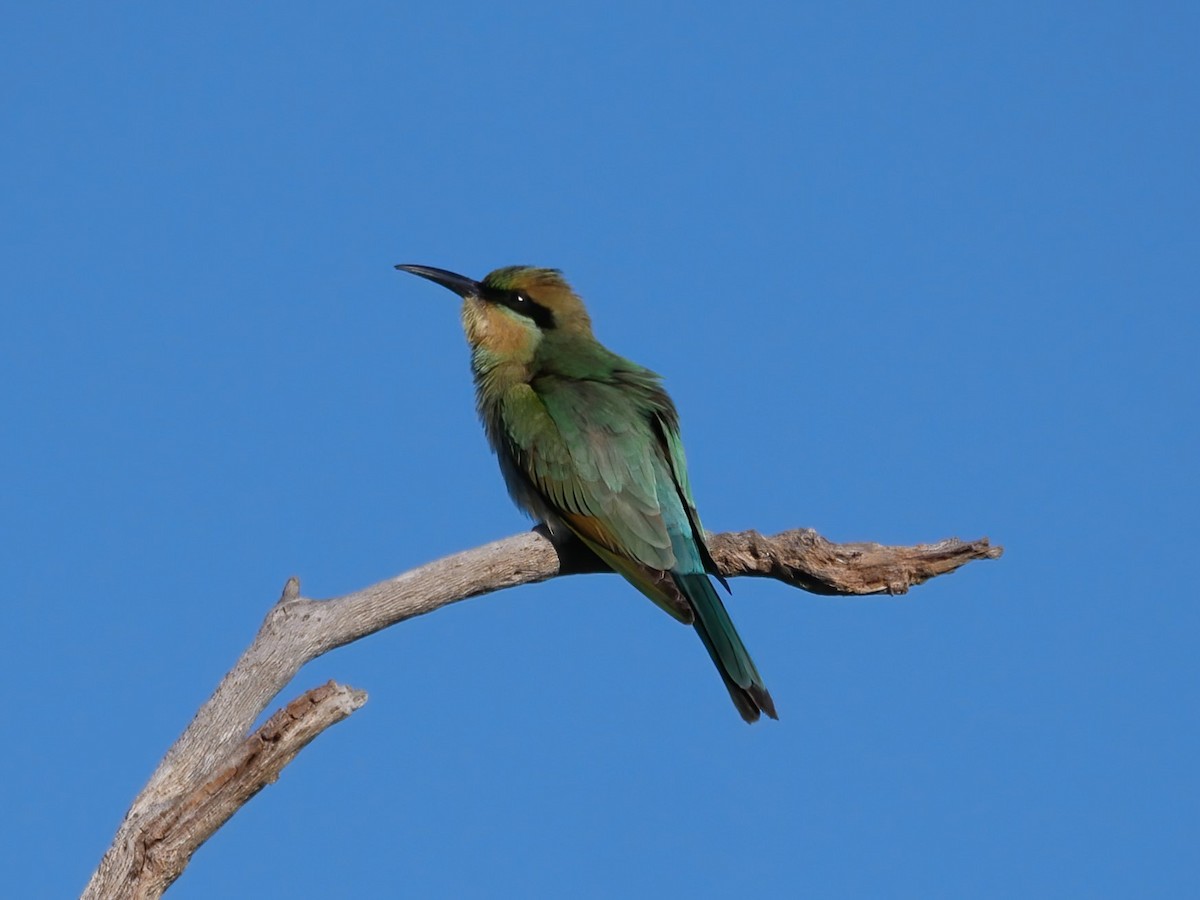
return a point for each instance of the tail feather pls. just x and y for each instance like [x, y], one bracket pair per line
[725, 646]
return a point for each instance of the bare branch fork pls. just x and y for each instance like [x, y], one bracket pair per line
[217, 764]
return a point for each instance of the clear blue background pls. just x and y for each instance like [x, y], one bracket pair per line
[911, 271]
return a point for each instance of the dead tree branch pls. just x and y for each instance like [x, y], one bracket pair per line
[218, 763]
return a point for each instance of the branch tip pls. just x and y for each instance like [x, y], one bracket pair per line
[291, 590]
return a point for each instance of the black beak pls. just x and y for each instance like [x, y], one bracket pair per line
[460, 284]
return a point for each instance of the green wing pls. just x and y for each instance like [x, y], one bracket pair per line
[592, 453]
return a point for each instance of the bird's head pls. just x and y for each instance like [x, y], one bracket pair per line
[512, 310]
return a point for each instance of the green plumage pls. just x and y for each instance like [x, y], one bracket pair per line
[588, 442]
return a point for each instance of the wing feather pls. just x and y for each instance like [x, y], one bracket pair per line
[589, 450]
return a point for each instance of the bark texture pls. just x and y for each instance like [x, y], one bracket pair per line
[220, 761]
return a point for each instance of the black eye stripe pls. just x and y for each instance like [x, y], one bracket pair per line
[522, 304]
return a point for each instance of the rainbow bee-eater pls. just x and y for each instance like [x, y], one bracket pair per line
[589, 444]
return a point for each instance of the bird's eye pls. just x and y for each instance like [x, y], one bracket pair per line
[524, 305]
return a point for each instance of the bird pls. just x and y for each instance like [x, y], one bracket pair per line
[588, 443]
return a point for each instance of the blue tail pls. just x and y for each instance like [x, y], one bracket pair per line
[721, 639]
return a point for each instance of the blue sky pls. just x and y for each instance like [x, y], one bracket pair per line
[910, 271]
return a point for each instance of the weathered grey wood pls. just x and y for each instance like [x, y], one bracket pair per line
[217, 764]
